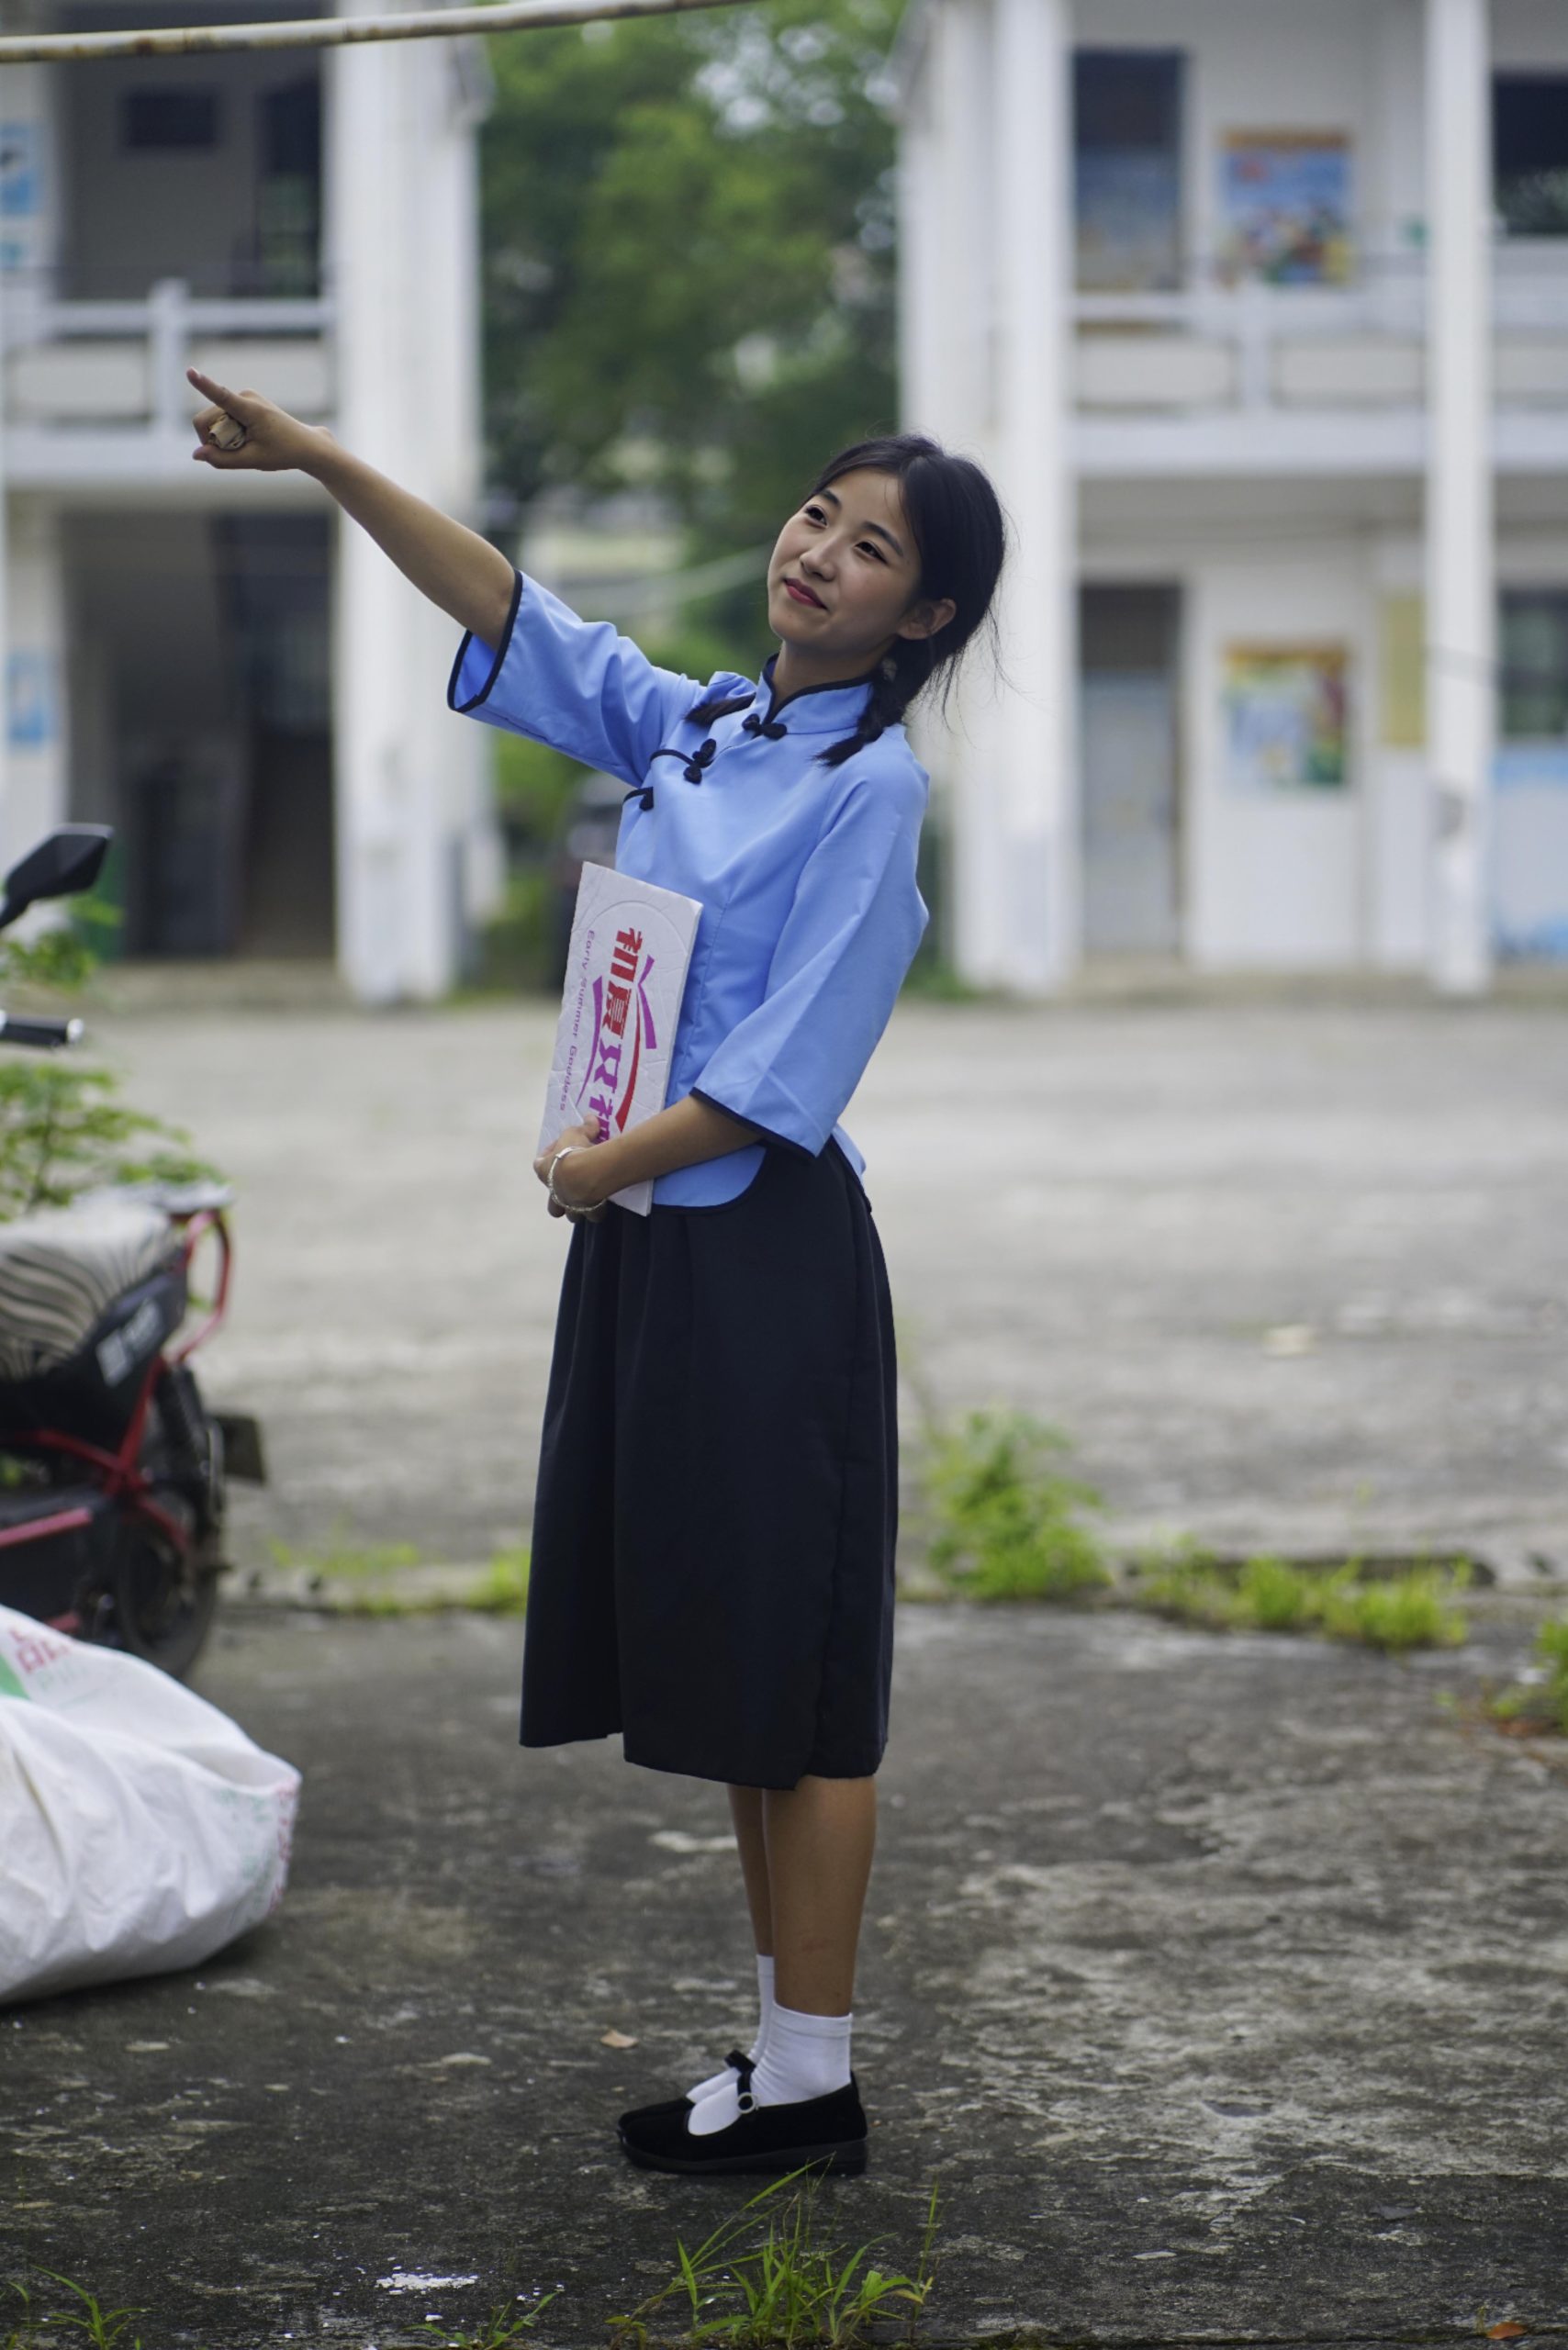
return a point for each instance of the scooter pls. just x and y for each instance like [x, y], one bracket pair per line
[113, 1471]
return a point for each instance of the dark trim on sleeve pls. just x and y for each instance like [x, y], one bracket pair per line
[462, 708]
[763, 1134]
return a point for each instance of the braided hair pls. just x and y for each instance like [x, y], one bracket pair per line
[959, 535]
[960, 538]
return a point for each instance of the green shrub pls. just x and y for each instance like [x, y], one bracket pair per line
[1541, 1703]
[1265, 1592]
[503, 1589]
[785, 2288]
[1396, 1612]
[63, 1129]
[1005, 1524]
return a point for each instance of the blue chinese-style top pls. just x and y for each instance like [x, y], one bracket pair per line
[805, 874]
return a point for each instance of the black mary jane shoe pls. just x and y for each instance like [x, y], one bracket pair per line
[828, 2133]
[679, 2106]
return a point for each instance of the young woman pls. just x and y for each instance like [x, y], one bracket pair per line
[712, 1557]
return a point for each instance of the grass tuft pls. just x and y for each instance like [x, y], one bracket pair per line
[503, 1589]
[503, 2327]
[764, 2280]
[1005, 1523]
[373, 1573]
[1540, 1704]
[1415, 1609]
[338, 1560]
[85, 2316]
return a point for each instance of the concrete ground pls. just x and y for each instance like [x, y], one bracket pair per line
[1218, 1981]
[1293, 1274]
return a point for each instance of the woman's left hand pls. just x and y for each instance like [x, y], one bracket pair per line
[578, 1182]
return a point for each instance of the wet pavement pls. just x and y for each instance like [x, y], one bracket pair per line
[1288, 1273]
[1220, 1982]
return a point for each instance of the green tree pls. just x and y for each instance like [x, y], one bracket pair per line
[63, 1128]
[689, 255]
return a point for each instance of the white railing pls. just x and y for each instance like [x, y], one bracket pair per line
[77, 363]
[1259, 347]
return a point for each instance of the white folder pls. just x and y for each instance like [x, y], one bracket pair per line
[625, 974]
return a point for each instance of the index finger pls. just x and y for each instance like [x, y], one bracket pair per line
[233, 404]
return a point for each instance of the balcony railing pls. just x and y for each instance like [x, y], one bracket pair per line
[73, 366]
[1256, 349]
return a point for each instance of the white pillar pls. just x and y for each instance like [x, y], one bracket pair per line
[1037, 927]
[410, 794]
[371, 770]
[1461, 585]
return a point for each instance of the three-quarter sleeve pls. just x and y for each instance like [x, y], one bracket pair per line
[790, 1066]
[572, 683]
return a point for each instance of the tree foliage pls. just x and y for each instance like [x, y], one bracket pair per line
[689, 255]
[63, 1129]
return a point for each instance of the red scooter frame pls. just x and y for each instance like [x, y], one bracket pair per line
[119, 1472]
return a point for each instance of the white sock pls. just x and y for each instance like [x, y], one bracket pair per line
[726, 2079]
[804, 2057]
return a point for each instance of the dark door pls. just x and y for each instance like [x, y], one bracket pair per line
[1127, 169]
[1131, 901]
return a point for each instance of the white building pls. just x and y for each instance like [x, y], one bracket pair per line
[1260, 314]
[210, 661]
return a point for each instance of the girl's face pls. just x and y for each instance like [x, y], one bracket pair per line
[844, 579]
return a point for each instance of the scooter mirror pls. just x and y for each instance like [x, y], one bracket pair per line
[64, 865]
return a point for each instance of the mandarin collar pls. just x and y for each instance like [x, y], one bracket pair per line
[815, 710]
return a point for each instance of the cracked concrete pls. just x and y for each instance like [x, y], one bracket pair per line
[1289, 1275]
[1221, 1982]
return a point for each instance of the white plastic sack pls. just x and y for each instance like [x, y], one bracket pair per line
[139, 1829]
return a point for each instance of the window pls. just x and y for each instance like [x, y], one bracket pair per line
[1529, 142]
[1127, 168]
[1534, 696]
[169, 118]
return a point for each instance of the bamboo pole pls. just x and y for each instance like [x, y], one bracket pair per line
[335, 32]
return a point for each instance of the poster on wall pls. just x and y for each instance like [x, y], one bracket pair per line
[21, 193]
[1285, 708]
[1529, 852]
[1284, 207]
[31, 722]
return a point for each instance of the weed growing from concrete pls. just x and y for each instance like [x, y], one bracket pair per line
[1005, 1523]
[338, 1560]
[1538, 1703]
[503, 1589]
[372, 1573]
[1267, 1594]
[763, 2279]
[87, 2317]
[503, 2326]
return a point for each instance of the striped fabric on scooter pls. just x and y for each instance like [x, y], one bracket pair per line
[61, 1270]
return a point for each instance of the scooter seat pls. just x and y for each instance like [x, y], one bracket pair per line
[61, 1268]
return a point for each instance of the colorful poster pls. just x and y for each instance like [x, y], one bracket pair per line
[21, 193]
[1284, 207]
[625, 974]
[31, 717]
[1128, 206]
[1285, 717]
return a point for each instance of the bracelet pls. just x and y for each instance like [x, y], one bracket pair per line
[564, 1152]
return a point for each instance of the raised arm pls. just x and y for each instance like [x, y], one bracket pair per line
[461, 573]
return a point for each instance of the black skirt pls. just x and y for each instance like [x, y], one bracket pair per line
[713, 1530]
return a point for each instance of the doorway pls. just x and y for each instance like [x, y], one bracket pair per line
[1129, 638]
[1127, 169]
[202, 726]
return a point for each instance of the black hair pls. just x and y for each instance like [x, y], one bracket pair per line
[960, 536]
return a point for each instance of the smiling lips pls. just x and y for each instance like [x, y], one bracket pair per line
[802, 593]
